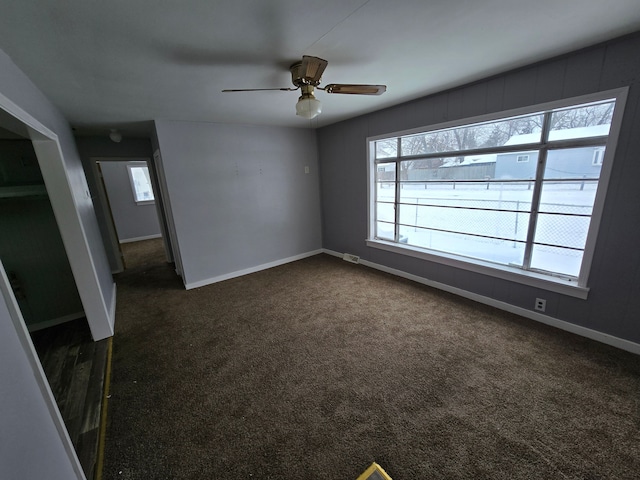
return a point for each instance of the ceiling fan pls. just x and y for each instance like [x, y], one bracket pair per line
[306, 76]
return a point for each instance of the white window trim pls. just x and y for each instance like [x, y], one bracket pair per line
[560, 285]
[131, 165]
[525, 158]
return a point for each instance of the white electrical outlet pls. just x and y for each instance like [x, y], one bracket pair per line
[541, 304]
[306, 169]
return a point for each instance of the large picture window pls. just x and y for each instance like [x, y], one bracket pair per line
[520, 193]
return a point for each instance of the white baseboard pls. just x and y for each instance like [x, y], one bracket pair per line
[54, 321]
[239, 273]
[139, 239]
[523, 312]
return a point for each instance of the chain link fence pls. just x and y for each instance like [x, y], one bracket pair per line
[558, 224]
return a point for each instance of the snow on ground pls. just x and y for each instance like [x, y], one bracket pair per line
[423, 209]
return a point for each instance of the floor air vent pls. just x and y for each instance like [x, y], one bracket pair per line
[351, 258]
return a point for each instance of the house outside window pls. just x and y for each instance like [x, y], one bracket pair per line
[518, 195]
[598, 155]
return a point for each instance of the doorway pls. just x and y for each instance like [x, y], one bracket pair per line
[31, 247]
[132, 208]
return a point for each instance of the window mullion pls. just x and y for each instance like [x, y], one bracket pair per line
[396, 205]
[537, 191]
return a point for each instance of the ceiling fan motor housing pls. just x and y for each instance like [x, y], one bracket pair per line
[300, 77]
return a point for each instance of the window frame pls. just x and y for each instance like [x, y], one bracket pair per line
[568, 286]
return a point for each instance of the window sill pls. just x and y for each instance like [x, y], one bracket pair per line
[533, 279]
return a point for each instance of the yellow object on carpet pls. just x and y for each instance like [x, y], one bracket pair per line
[374, 472]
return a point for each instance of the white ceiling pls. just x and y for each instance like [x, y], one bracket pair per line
[121, 63]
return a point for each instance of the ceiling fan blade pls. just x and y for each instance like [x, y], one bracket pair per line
[260, 89]
[353, 89]
[312, 69]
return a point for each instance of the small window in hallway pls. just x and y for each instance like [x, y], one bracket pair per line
[140, 182]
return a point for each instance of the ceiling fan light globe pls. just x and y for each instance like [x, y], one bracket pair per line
[308, 108]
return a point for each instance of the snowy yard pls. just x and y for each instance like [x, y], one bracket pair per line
[490, 221]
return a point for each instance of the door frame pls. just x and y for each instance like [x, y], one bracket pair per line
[100, 311]
[100, 316]
[103, 200]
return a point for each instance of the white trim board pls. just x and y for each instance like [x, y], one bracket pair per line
[139, 239]
[112, 308]
[72, 230]
[257, 268]
[523, 312]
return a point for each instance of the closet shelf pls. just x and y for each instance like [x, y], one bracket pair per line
[23, 191]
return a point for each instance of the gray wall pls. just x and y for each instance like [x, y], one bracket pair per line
[132, 221]
[90, 147]
[613, 305]
[239, 195]
[31, 249]
[19, 164]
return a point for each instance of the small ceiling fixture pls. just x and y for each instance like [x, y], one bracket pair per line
[115, 135]
[306, 76]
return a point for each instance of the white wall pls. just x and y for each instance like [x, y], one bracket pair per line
[240, 197]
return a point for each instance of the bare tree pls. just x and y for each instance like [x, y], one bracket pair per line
[487, 135]
[589, 116]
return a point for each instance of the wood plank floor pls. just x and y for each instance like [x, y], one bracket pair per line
[75, 366]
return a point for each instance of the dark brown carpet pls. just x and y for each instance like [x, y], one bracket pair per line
[143, 253]
[317, 368]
